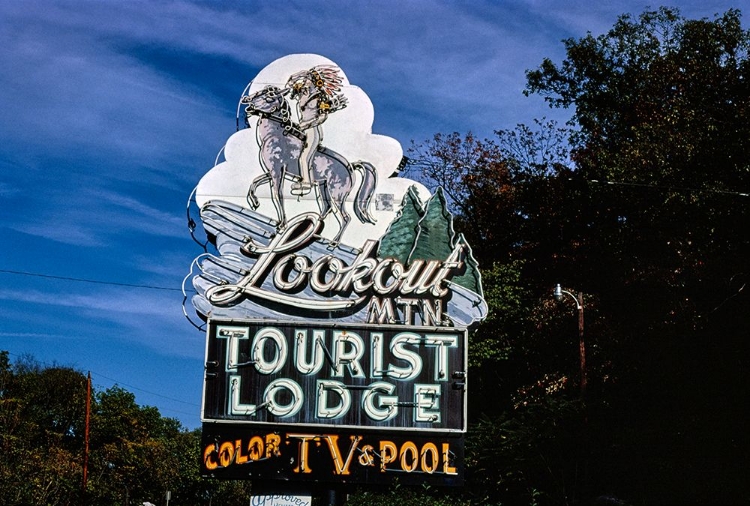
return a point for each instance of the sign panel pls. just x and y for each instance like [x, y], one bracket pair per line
[336, 295]
[339, 456]
[342, 375]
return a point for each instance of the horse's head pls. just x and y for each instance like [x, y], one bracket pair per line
[268, 100]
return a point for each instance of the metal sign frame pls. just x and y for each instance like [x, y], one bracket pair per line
[336, 375]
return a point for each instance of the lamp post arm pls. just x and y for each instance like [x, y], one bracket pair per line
[578, 300]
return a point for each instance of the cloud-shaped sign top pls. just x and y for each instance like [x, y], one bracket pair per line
[340, 130]
[310, 220]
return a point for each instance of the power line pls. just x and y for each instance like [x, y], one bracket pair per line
[118, 382]
[668, 188]
[146, 391]
[84, 280]
[428, 163]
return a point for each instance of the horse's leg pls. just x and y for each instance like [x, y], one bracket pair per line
[336, 206]
[343, 218]
[251, 198]
[324, 198]
[277, 196]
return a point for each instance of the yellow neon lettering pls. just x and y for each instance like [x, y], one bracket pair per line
[447, 468]
[411, 448]
[273, 441]
[240, 459]
[255, 448]
[302, 454]
[433, 451]
[388, 453]
[340, 466]
[226, 454]
[209, 463]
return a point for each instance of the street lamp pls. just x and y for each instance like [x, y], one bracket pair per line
[559, 295]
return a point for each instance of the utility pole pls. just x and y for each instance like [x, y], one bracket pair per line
[559, 294]
[86, 439]
[581, 345]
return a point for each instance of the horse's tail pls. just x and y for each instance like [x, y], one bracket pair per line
[366, 191]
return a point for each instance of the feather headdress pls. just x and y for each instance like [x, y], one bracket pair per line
[324, 77]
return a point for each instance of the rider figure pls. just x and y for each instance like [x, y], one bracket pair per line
[316, 91]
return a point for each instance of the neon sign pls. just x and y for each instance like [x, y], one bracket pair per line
[345, 376]
[341, 457]
[338, 296]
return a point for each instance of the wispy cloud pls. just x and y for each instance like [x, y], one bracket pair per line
[93, 217]
[140, 316]
[111, 112]
[105, 302]
[36, 335]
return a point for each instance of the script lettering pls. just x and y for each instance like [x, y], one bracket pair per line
[341, 286]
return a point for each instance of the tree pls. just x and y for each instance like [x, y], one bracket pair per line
[506, 193]
[662, 168]
[465, 168]
[647, 219]
[136, 454]
[398, 241]
[662, 105]
[493, 185]
[39, 409]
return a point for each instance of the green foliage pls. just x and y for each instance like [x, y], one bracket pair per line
[533, 455]
[130, 451]
[494, 187]
[39, 409]
[136, 455]
[493, 340]
[663, 109]
[406, 496]
[647, 218]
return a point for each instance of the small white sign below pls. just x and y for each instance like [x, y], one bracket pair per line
[281, 500]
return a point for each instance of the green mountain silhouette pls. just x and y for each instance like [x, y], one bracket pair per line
[399, 239]
[435, 234]
[425, 232]
[470, 279]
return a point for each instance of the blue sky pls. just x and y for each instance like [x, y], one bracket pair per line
[111, 112]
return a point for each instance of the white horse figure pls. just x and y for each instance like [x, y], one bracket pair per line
[281, 142]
